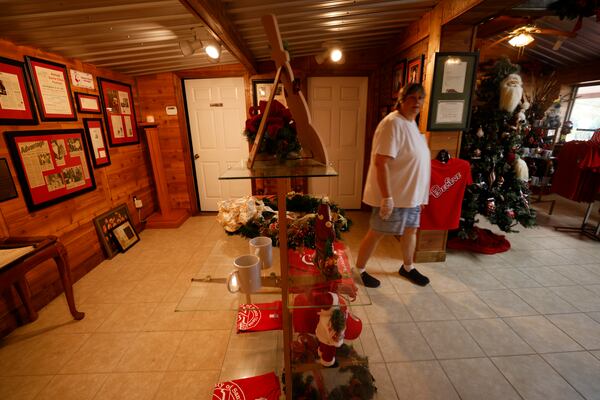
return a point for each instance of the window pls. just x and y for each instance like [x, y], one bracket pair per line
[585, 113]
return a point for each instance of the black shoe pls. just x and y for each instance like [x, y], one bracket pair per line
[414, 276]
[369, 281]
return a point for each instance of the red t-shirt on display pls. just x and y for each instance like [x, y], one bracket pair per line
[448, 183]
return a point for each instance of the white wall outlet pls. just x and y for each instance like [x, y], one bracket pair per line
[138, 203]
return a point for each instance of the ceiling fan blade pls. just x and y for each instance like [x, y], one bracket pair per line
[556, 32]
[558, 43]
[500, 41]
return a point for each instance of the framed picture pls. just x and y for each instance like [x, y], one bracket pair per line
[105, 223]
[16, 103]
[87, 103]
[96, 141]
[398, 77]
[452, 90]
[52, 165]
[125, 235]
[261, 90]
[7, 185]
[414, 70]
[119, 112]
[51, 88]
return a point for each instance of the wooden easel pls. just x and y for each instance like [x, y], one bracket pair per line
[307, 135]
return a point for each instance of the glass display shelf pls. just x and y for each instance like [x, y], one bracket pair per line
[208, 289]
[303, 167]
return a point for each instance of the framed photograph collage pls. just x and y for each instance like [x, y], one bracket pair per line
[115, 230]
[119, 112]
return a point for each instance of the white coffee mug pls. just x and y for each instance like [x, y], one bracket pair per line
[262, 246]
[246, 276]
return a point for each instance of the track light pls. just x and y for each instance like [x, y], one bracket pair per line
[212, 49]
[333, 51]
[189, 47]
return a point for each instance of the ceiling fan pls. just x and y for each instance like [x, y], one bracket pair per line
[524, 35]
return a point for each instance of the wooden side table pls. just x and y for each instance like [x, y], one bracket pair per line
[40, 250]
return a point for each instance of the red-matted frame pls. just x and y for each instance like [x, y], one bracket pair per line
[414, 70]
[96, 140]
[83, 101]
[51, 88]
[20, 109]
[52, 165]
[119, 112]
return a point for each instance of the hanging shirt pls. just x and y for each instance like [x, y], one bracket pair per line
[448, 183]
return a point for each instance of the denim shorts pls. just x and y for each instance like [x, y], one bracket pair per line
[401, 218]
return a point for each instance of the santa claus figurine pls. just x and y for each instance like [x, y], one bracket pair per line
[511, 92]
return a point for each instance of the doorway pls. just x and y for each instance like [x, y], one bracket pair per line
[338, 106]
[216, 111]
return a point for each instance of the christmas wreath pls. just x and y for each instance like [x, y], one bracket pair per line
[251, 217]
[280, 137]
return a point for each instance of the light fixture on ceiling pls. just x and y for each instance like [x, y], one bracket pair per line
[522, 39]
[332, 50]
[211, 47]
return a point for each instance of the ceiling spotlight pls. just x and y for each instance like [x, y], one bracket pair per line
[335, 55]
[212, 49]
[189, 47]
[333, 51]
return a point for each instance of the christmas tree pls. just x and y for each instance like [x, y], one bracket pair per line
[492, 145]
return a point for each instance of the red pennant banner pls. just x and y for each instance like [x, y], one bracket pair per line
[259, 317]
[264, 387]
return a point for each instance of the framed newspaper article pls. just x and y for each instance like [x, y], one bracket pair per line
[119, 112]
[96, 140]
[51, 165]
[51, 88]
[16, 103]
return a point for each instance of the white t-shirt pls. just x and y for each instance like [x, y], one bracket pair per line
[410, 169]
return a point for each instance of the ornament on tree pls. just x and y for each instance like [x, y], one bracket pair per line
[480, 133]
[521, 170]
[492, 177]
[490, 206]
[500, 181]
[510, 213]
[511, 92]
[505, 135]
[476, 154]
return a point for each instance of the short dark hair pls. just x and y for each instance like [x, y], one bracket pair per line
[410, 89]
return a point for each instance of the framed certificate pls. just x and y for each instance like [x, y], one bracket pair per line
[96, 140]
[16, 103]
[452, 90]
[119, 112]
[52, 165]
[51, 88]
[87, 103]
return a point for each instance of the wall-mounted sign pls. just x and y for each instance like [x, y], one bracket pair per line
[82, 79]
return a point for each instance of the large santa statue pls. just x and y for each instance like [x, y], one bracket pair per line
[511, 92]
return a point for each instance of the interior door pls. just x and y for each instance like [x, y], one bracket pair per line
[216, 112]
[338, 106]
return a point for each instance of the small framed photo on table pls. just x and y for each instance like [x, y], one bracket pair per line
[125, 235]
[452, 90]
[87, 103]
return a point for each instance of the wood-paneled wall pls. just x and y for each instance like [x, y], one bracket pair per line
[71, 220]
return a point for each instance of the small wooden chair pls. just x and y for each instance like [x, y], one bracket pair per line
[35, 251]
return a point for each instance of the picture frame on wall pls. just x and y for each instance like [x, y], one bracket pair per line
[16, 102]
[452, 91]
[87, 103]
[119, 112]
[398, 78]
[125, 235]
[96, 140]
[52, 165]
[105, 223]
[7, 184]
[51, 89]
[261, 90]
[414, 70]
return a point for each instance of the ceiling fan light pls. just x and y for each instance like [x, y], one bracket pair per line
[522, 39]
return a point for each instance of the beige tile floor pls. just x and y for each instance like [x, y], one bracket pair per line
[524, 324]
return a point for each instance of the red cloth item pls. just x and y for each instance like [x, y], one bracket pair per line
[257, 387]
[448, 183]
[487, 243]
[259, 317]
[577, 175]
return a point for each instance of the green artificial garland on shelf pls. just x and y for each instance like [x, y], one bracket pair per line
[301, 230]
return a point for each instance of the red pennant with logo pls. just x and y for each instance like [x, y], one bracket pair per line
[257, 387]
[259, 317]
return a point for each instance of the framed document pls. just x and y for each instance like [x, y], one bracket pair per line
[52, 165]
[125, 235]
[414, 70]
[452, 90]
[16, 103]
[119, 112]
[51, 89]
[398, 78]
[87, 103]
[96, 140]
[261, 90]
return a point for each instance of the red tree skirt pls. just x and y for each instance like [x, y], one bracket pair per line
[487, 242]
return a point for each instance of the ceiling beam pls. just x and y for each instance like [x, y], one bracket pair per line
[212, 13]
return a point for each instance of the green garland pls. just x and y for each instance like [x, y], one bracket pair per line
[300, 232]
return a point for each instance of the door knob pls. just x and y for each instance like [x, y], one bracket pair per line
[196, 156]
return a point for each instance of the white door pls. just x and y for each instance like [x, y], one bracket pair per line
[338, 106]
[217, 113]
